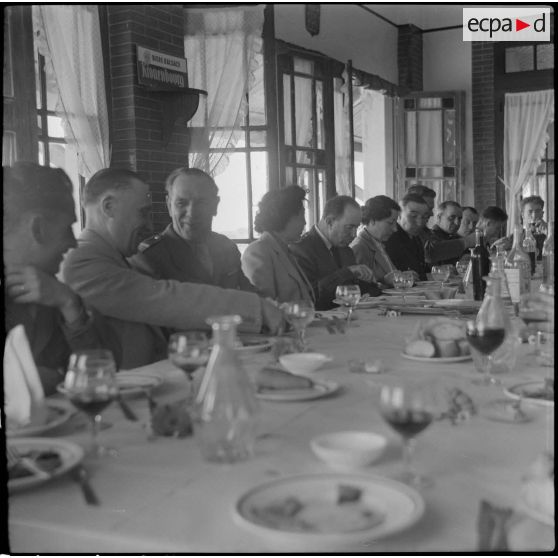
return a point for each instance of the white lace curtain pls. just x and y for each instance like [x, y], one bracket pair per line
[221, 48]
[526, 120]
[69, 38]
[342, 136]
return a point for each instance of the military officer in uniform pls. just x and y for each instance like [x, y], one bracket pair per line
[188, 250]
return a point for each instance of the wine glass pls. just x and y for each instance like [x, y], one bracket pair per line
[90, 385]
[349, 295]
[440, 273]
[488, 331]
[533, 310]
[408, 278]
[399, 281]
[299, 314]
[189, 350]
[408, 407]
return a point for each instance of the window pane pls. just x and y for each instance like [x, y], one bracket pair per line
[287, 109]
[9, 148]
[431, 172]
[449, 137]
[411, 138]
[545, 57]
[258, 138]
[430, 103]
[303, 111]
[57, 155]
[519, 59]
[41, 153]
[260, 180]
[319, 115]
[450, 190]
[256, 99]
[303, 66]
[8, 86]
[304, 157]
[289, 174]
[550, 145]
[54, 124]
[430, 138]
[232, 188]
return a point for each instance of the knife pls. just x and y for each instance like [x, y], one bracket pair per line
[81, 476]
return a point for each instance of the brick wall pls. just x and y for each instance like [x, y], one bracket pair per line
[409, 57]
[484, 138]
[136, 112]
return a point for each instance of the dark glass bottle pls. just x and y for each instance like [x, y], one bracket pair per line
[480, 265]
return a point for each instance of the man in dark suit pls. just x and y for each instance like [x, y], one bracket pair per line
[188, 250]
[324, 255]
[404, 247]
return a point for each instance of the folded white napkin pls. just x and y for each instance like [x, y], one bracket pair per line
[23, 391]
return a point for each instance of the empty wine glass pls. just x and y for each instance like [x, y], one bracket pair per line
[90, 385]
[409, 407]
[189, 350]
[440, 273]
[349, 295]
[299, 314]
[408, 278]
[488, 331]
[399, 281]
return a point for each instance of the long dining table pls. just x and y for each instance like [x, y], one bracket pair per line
[159, 495]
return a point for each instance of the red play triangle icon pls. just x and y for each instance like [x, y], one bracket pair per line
[519, 25]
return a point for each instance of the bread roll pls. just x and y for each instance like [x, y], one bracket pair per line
[447, 349]
[447, 332]
[275, 378]
[420, 348]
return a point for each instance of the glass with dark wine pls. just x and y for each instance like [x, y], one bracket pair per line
[488, 331]
[409, 408]
[90, 385]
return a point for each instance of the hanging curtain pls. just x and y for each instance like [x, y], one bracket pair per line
[69, 38]
[303, 116]
[526, 119]
[342, 139]
[221, 48]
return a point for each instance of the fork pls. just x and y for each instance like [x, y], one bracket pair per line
[15, 458]
[81, 476]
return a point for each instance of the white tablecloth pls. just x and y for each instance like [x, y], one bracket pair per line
[159, 496]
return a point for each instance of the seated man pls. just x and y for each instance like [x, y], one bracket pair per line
[404, 246]
[492, 223]
[117, 206]
[532, 211]
[379, 217]
[429, 196]
[38, 216]
[468, 221]
[324, 255]
[445, 246]
[188, 250]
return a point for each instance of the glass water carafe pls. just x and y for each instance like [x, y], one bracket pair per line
[226, 406]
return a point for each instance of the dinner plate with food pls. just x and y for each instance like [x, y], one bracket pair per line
[52, 414]
[438, 340]
[275, 384]
[537, 393]
[35, 461]
[329, 511]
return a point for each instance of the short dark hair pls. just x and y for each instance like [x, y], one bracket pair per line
[532, 199]
[495, 213]
[185, 171]
[407, 198]
[107, 179]
[470, 208]
[335, 207]
[277, 207]
[29, 187]
[378, 208]
[445, 204]
[421, 190]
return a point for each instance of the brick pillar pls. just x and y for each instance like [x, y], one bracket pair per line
[409, 57]
[136, 112]
[484, 138]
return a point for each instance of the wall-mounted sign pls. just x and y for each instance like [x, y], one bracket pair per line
[158, 70]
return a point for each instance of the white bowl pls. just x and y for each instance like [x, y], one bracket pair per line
[303, 363]
[349, 450]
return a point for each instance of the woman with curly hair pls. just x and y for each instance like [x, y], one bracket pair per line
[267, 262]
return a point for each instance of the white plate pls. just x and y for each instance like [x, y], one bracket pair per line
[70, 455]
[525, 389]
[384, 507]
[412, 291]
[458, 303]
[58, 412]
[460, 358]
[319, 389]
[426, 310]
[130, 383]
[254, 344]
